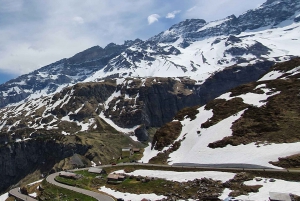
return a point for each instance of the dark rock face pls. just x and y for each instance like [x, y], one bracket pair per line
[151, 105]
[297, 19]
[256, 49]
[19, 159]
[141, 133]
[229, 78]
[161, 105]
[232, 40]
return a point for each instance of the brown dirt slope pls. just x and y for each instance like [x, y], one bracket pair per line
[166, 135]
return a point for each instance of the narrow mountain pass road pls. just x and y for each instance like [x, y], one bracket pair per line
[102, 197]
[17, 194]
[98, 196]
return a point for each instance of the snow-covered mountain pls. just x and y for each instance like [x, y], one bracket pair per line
[255, 124]
[198, 48]
[194, 48]
[137, 87]
[54, 77]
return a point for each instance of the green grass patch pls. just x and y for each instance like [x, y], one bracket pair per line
[87, 182]
[134, 157]
[53, 193]
[87, 173]
[157, 186]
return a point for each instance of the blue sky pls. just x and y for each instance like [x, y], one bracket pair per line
[34, 33]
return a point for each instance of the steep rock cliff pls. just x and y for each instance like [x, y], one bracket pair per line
[22, 158]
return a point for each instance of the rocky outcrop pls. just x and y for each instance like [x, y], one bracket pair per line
[231, 77]
[21, 158]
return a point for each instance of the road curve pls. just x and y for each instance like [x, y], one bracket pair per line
[102, 197]
[97, 196]
[15, 192]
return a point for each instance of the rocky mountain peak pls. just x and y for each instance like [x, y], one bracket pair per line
[132, 42]
[271, 13]
[87, 54]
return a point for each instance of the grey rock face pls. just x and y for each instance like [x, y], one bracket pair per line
[223, 81]
[19, 159]
[141, 133]
[256, 49]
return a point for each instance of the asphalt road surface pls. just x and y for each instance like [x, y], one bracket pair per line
[15, 192]
[98, 196]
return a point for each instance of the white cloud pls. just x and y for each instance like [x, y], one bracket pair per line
[78, 20]
[153, 18]
[50, 32]
[192, 8]
[172, 15]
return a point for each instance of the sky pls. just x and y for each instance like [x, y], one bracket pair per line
[35, 33]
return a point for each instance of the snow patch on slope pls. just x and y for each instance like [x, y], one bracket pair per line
[130, 196]
[183, 176]
[277, 186]
[194, 148]
[118, 128]
[271, 75]
[254, 99]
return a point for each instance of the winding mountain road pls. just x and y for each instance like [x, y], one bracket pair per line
[17, 194]
[103, 197]
[99, 196]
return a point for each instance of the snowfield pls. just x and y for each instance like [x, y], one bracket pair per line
[130, 196]
[181, 176]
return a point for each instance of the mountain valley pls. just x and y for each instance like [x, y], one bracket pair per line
[223, 93]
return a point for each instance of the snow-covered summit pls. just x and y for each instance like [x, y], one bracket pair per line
[198, 48]
[270, 14]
